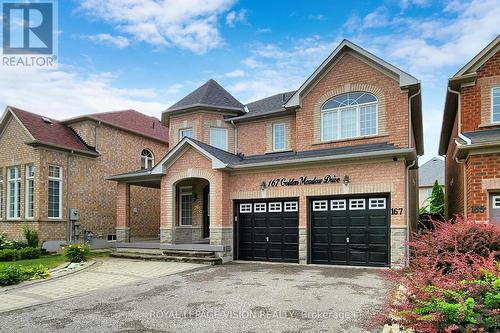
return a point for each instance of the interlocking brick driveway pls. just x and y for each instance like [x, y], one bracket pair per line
[105, 274]
[236, 297]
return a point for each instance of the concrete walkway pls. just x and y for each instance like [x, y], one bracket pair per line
[106, 273]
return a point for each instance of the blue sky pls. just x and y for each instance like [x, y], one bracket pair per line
[147, 54]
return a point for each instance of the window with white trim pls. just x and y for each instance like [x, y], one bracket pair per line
[279, 136]
[55, 192]
[218, 137]
[29, 201]
[185, 132]
[320, 205]
[377, 203]
[291, 206]
[1, 193]
[496, 201]
[357, 204]
[495, 105]
[275, 207]
[147, 159]
[186, 206]
[338, 204]
[245, 208]
[259, 207]
[349, 115]
[14, 193]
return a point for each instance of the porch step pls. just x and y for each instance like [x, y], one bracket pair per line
[207, 260]
[179, 253]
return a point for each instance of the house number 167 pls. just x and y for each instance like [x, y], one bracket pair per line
[396, 211]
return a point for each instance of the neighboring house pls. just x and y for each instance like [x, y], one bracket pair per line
[428, 173]
[325, 174]
[48, 167]
[470, 138]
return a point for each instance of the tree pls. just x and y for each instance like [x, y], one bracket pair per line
[437, 199]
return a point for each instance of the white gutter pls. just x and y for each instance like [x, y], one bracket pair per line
[466, 139]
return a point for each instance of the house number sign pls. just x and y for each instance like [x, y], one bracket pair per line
[328, 179]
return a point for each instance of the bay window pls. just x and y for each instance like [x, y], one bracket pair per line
[14, 193]
[30, 191]
[185, 132]
[349, 115]
[55, 192]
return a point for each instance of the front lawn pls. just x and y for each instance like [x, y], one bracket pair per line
[50, 261]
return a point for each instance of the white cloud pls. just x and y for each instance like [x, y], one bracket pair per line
[107, 39]
[188, 24]
[65, 92]
[235, 73]
[317, 17]
[264, 30]
[174, 88]
[234, 17]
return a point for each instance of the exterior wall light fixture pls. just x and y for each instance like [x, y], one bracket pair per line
[346, 180]
[263, 186]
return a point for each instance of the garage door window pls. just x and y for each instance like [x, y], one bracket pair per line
[337, 205]
[291, 206]
[357, 204]
[246, 208]
[496, 201]
[320, 205]
[275, 207]
[377, 203]
[259, 207]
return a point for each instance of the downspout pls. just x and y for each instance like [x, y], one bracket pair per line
[407, 174]
[459, 130]
[235, 138]
[68, 206]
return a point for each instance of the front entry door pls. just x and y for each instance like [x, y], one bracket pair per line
[495, 208]
[206, 212]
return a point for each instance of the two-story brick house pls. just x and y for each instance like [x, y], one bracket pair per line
[48, 167]
[324, 174]
[470, 138]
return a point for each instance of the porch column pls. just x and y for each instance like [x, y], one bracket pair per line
[166, 204]
[123, 212]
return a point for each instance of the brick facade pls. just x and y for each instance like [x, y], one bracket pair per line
[83, 181]
[470, 180]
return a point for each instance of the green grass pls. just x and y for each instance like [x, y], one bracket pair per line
[50, 261]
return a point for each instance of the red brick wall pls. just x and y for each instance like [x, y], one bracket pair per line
[454, 179]
[480, 168]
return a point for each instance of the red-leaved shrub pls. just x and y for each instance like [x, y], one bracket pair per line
[453, 281]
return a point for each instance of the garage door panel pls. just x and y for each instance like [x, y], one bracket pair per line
[366, 227]
[268, 236]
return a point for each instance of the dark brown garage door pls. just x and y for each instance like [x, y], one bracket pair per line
[350, 230]
[268, 230]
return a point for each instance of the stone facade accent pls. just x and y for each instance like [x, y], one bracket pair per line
[399, 236]
[303, 245]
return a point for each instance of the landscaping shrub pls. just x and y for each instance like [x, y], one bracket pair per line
[31, 236]
[453, 281]
[77, 252]
[14, 274]
[9, 255]
[29, 253]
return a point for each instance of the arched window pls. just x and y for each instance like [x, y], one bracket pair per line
[147, 159]
[349, 115]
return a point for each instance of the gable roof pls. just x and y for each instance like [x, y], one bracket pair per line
[405, 79]
[47, 132]
[431, 171]
[211, 95]
[129, 120]
[268, 106]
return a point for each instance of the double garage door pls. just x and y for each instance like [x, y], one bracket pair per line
[343, 231]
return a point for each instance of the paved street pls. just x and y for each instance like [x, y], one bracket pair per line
[237, 297]
[105, 274]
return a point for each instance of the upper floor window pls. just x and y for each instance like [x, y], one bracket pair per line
[495, 105]
[147, 159]
[185, 132]
[279, 141]
[349, 115]
[218, 137]
[14, 193]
